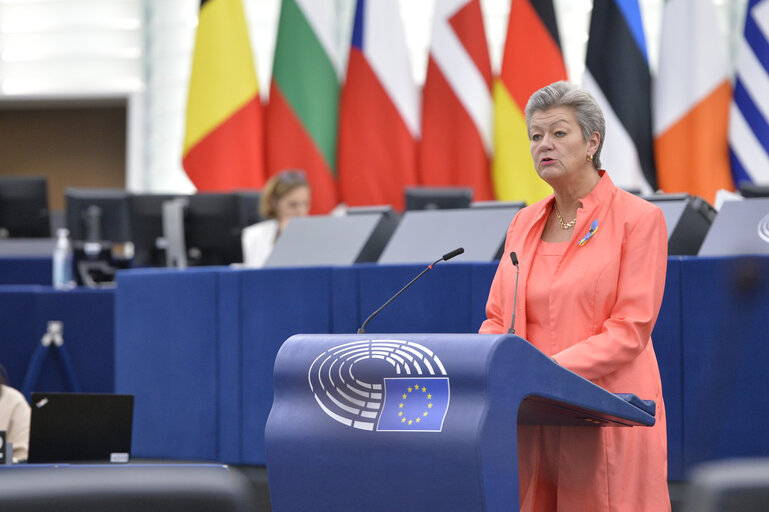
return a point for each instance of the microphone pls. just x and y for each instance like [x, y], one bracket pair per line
[514, 259]
[445, 257]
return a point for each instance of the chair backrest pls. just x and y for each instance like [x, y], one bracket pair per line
[725, 486]
[136, 488]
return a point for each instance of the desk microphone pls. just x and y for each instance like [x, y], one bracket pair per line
[514, 259]
[445, 257]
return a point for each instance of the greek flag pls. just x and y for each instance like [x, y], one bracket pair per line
[749, 112]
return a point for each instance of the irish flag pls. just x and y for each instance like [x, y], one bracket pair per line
[532, 24]
[304, 96]
[456, 101]
[223, 141]
[379, 116]
[691, 102]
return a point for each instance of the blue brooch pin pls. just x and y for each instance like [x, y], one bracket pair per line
[590, 233]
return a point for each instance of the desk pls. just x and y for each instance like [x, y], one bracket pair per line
[196, 347]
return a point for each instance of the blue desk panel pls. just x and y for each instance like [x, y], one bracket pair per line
[275, 304]
[667, 340]
[167, 354]
[26, 270]
[725, 307]
[88, 322]
[438, 302]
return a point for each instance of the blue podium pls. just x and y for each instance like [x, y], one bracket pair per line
[418, 421]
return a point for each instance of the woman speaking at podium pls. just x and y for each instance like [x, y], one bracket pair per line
[592, 262]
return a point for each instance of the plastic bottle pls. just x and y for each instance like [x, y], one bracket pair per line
[62, 261]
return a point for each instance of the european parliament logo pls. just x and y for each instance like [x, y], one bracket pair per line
[382, 385]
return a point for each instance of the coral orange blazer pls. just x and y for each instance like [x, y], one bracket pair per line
[605, 298]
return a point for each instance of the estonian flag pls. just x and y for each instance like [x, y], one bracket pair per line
[617, 74]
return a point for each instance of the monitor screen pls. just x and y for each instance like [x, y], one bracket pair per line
[146, 219]
[212, 226]
[248, 204]
[24, 207]
[97, 215]
[438, 198]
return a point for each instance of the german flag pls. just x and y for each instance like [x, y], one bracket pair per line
[532, 60]
[223, 143]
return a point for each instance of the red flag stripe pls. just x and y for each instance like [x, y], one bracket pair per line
[291, 147]
[231, 154]
[377, 154]
[452, 152]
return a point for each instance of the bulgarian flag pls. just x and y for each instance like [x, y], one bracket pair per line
[304, 97]
[223, 141]
[379, 116]
[456, 101]
[691, 102]
[532, 24]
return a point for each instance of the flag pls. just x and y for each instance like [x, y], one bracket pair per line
[414, 404]
[617, 74]
[749, 113]
[691, 102]
[379, 111]
[456, 101]
[532, 24]
[223, 140]
[301, 118]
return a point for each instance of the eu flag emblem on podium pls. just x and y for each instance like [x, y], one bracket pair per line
[414, 404]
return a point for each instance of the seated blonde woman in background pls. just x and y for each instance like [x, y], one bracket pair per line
[14, 418]
[284, 196]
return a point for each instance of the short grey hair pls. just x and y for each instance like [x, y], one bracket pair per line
[565, 94]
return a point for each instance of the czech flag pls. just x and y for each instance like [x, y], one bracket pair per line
[379, 112]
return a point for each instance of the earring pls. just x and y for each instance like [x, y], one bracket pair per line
[589, 157]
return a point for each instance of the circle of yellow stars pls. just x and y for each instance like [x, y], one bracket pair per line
[414, 389]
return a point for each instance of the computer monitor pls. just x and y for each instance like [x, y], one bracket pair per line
[688, 219]
[753, 190]
[146, 217]
[437, 198]
[24, 207]
[97, 214]
[248, 206]
[212, 226]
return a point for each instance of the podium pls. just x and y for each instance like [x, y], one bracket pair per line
[383, 422]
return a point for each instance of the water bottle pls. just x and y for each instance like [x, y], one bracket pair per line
[62, 261]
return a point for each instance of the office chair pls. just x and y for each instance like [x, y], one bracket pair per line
[729, 485]
[137, 488]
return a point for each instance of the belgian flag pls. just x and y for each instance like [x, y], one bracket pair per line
[224, 139]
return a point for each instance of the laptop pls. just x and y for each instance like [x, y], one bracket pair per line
[741, 227]
[80, 427]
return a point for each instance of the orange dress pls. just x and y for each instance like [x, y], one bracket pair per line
[592, 308]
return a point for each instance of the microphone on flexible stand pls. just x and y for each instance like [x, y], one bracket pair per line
[514, 259]
[445, 257]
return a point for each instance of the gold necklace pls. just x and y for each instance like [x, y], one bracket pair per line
[560, 219]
